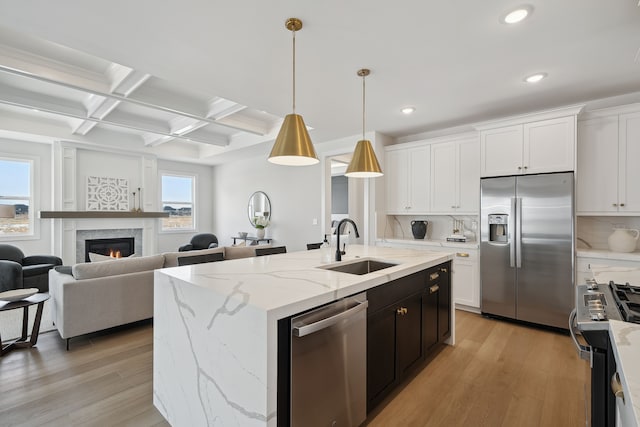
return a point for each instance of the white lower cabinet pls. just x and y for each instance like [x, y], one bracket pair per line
[465, 275]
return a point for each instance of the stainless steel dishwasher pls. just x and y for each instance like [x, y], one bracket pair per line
[329, 364]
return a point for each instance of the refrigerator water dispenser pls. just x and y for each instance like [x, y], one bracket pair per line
[498, 227]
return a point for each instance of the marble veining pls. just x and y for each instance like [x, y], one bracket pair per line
[619, 274]
[215, 327]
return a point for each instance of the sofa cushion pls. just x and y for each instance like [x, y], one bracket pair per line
[236, 252]
[171, 258]
[93, 270]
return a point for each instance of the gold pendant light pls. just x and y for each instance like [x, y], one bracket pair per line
[293, 146]
[364, 163]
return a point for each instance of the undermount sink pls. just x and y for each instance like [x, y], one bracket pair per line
[361, 267]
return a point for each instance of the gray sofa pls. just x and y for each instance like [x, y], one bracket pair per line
[90, 297]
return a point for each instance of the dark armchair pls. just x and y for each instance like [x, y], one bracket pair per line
[18, 271]
[200, 241]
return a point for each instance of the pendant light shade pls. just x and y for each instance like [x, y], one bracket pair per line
[364, 163]
[293, 146]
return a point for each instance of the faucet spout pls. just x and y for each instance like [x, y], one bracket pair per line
[339, 253]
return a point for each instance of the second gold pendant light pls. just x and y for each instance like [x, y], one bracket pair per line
[364, 163]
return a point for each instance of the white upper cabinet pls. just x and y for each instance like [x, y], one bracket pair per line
[528, 148]
[608, 172]
[407, 179]
[455, 176]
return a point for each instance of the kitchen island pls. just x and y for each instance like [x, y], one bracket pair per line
[215, 327]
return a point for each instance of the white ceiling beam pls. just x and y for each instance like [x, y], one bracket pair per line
[44, 78]
[221, 108]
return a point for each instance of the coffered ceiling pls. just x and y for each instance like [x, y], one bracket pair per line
[209, 81]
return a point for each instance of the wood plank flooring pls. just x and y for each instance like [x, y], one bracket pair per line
[498, 374]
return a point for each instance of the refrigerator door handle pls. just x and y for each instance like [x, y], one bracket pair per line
[518, 236]
[512, 246]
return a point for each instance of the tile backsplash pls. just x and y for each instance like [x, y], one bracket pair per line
[439, 227]
[596, 230]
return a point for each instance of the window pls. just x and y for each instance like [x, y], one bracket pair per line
[16, 199]
[177, 199]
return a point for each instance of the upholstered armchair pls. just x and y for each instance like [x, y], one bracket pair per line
[18, 271]
[200, 241]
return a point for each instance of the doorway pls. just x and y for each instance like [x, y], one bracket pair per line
[344, 198]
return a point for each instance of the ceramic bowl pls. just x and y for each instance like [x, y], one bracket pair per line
[242, 234]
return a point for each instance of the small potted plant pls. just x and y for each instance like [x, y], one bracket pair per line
[260, 223]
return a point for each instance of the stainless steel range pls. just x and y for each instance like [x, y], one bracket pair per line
[595, 305]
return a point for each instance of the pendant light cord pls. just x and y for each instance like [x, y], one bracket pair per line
[363, 77]
[294, 71]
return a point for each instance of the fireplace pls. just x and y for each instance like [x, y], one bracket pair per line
[118, 247]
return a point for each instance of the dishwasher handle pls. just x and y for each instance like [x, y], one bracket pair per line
[301, 331]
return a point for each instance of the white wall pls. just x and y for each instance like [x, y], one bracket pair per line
[294, 193]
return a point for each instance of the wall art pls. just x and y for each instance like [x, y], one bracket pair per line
[107, 194]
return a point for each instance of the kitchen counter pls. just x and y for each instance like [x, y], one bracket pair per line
[606, 254]
[438, 243]
[215, 327]
[625, 338]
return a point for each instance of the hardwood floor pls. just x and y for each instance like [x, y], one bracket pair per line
[498, 374]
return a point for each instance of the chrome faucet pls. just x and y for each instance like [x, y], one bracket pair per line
[339, 253]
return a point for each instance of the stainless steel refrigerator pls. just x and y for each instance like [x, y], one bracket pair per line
[526, 247]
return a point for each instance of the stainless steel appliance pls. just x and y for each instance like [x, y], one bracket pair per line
[595, 305]
[526, 247]
[328, 364]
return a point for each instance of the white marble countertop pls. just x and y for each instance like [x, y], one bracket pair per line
[606, 254]
[625, 338]
[437, 243]
[287, 284]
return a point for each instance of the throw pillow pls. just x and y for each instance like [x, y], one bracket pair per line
[99, 257]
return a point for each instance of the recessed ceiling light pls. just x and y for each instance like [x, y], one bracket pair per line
[408, 110]
[535, 78]
[516, 15]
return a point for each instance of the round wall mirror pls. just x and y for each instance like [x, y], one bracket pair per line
[259, 209]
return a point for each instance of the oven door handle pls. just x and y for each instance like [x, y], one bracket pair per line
[584, 351]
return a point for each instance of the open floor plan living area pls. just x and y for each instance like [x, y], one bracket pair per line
[300, 214]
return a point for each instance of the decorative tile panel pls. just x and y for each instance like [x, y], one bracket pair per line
[107, 194]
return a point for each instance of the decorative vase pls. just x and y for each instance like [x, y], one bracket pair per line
[621, 240]
[260, 233]
[419, 229]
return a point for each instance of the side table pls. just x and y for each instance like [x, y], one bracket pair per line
[253, 240]
[24, 304]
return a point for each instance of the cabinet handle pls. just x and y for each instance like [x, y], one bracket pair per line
[444, 270]
[526, 167]
[433, 289]
[402, 311]
[622, 204]
[453, 207]
[462, 255]
[434, 276]
[519, 168]
[615, 205]
[616, 387]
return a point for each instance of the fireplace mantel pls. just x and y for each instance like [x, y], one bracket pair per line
[102, 214]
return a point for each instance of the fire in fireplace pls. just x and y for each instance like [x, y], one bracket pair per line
[119, 247]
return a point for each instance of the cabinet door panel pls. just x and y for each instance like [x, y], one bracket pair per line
[465, 284]
[629, 180]
[396, 176]
[596, 191]
[549, 145]
[409, 333]
[381, 352]
[419, 179]
[501, 151]
[469, 176]
[443, 178]
[429, 320]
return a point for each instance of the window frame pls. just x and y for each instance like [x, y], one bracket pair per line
[194, 180]
[34, 196]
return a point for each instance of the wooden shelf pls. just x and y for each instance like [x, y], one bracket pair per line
[102, 214]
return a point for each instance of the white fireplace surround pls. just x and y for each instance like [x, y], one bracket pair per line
[73, 233]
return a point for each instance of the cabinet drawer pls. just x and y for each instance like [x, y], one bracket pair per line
[385, 295]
